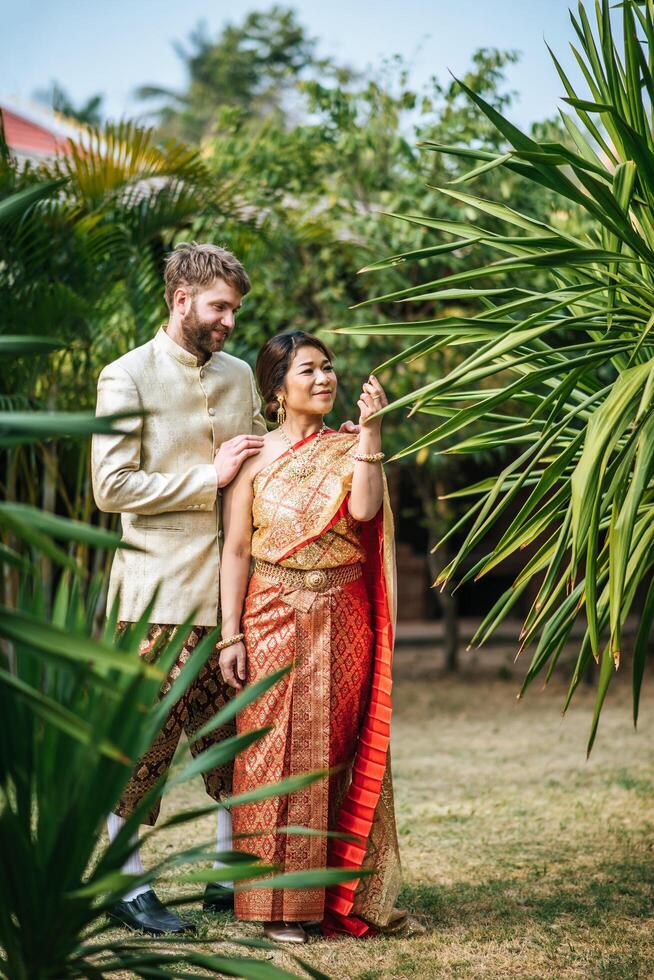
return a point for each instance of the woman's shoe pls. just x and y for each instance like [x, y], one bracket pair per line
[285, 932]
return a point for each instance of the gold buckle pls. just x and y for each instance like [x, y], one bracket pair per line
[316, 579]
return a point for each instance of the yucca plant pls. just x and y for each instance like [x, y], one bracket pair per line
[76, 714]
[563, 373]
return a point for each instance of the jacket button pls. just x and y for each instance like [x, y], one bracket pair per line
[212, 411]
[201, 372]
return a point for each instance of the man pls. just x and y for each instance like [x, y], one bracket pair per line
[165, 477]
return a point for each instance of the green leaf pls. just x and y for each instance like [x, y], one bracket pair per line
[21, 427]
[281, 788]
[588, 106]
[16, 204]
[417, 255]
[55, 714]
[17, 345]
[235, 872]
[23, 515]
[216, 755]
[42, 636]
[9, 556]
[234, 966]
[319, 878]
[607, 670]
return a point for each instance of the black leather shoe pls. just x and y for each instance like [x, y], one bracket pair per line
[217, 898]
[147, 914]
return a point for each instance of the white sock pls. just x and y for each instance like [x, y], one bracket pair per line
[224, 840]
[133, 865]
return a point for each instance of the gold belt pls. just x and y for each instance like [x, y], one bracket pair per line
[315, 579]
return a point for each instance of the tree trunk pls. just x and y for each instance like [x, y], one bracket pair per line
[434, 519]
[448, 607]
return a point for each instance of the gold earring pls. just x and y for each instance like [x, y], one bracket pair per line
[281, 412]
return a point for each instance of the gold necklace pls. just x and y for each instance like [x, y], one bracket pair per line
[303, 466]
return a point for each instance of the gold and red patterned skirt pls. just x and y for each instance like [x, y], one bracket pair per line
[319, 622]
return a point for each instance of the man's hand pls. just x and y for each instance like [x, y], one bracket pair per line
[350, 427]
[232, 454]
[233, 665]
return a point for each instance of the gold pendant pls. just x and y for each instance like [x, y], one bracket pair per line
[303, 470]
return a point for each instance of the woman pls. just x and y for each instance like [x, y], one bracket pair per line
[312, 510]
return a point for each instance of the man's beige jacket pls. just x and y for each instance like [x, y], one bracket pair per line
[161, 479]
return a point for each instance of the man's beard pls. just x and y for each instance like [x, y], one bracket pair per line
[198, 333]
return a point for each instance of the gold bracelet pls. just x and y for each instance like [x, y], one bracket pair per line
[230, 641]
[370, 457]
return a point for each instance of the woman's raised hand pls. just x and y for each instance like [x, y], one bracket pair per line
[371, 400]
[233, 665]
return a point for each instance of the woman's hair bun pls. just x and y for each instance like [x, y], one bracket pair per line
[270, 411]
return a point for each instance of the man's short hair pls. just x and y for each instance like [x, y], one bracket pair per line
[196, 265]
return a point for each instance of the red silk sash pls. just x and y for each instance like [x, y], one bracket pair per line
[358, 809]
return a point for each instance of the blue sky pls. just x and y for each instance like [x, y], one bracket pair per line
[111, 46]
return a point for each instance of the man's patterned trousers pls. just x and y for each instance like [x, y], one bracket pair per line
[200, 703]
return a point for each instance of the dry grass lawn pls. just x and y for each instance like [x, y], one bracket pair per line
[521, 858]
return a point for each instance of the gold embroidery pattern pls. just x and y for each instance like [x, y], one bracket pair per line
[315, 716]
[375, 896]
[285, 514]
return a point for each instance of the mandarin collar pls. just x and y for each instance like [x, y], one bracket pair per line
[180, 354]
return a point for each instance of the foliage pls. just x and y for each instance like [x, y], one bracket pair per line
[83, 263]
[569, 361]
[251, 66]
[316, 189]
[59, 100]
[76, 717]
